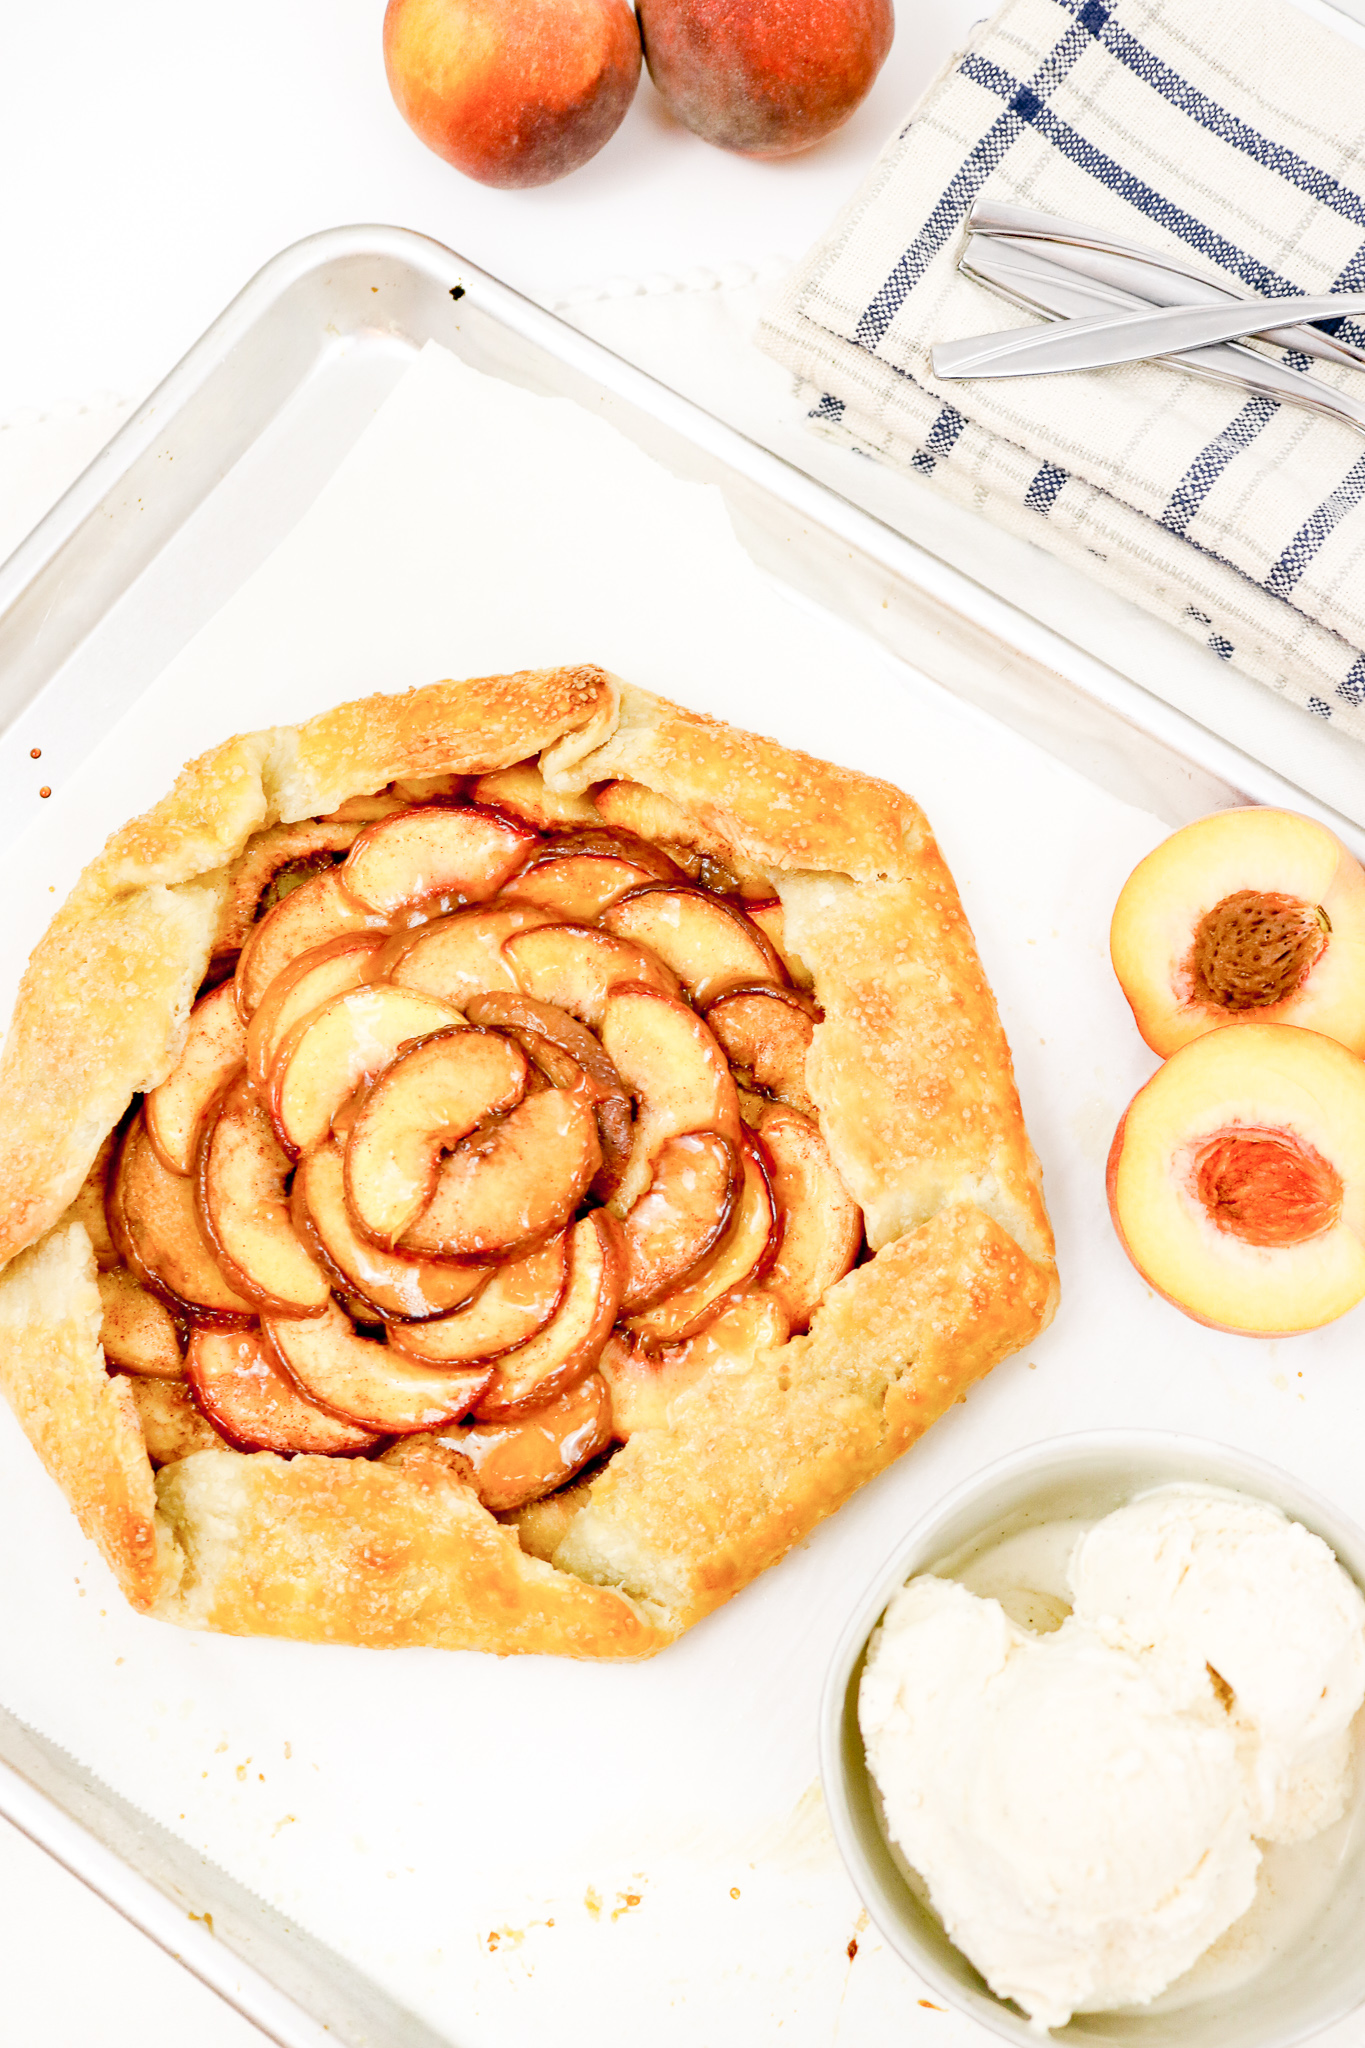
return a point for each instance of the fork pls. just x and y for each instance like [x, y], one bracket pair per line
[1128, 267]
[1049, 278]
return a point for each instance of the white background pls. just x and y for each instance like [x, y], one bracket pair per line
[154, 153]
[152, 156]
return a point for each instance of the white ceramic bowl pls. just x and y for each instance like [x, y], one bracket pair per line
[1320, 1977]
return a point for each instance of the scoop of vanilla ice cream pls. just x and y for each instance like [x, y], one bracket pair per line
[1232, 1590]
[1080, 1824]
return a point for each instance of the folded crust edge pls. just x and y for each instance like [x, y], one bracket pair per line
[408, 1555]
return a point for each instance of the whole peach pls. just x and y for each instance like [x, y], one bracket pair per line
[512, 92]
[764, 77]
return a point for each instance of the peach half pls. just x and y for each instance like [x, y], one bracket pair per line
[1248, 916]
[1237, 1180]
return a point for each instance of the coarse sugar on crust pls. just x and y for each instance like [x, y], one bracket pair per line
[909, 1072]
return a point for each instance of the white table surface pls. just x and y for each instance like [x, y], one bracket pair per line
[152, 156]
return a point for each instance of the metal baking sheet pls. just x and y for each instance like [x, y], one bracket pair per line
[94, 602]
[190, 497]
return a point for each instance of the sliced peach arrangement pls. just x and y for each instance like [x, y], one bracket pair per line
[1248, 916]
[503, 1107]
[1237, 1180]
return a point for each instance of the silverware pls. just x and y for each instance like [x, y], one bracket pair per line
[1129, 267]
[1029, 273]
[1126, 337]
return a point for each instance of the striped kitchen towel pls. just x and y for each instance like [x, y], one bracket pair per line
[1229, 132]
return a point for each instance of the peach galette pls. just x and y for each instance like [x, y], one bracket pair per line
[493, 1167]
[1247, 916]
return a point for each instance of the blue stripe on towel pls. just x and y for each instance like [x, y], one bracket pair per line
[1227, 126]
[1349, 279]
[829, 408]
[1352, 685]
[1087, 156]
[1026, 106]
[939, 440]
[953, 204]
[1045, 489]
[945, 431]
[1315, 529]
[1209, 464]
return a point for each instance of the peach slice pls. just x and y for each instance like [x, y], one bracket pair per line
[520, 1299]
[767, 913]
[435, 851]
[363, 810]
[676, 1072]
[1237, 1180]
[539, 1371]
[366, 1383]
[154, 1222]
[519, 1461]
[310, 915]
[536, 1026]
[460, 956]
[681, 1216]
[516, 1182]
[274, 864]
[404, 1290]
[709, 943]
[631, 807]
[237, 1382]
[172, 1427]
[137, 1331]
[577, 886]
[573, 966]
[244, 1211]
[766, 1033]
[347, 1041]
[644, 1383]
[89, 1205]
[314, 978]
[740, 1260]
[425, 789]
[1249, 916]
[628, 807]
[522, 792]
[822, 1225]
[654, 863]
[214, 1048]
[427, 1099]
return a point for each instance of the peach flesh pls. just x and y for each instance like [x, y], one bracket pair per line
[1248, 916]
[512, 92]
[1236, 1180]
[1266, 1187]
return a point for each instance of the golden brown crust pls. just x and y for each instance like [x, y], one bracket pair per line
[81, 1420]
[892, 1347]
[910, 1068]
[926, 1130]
[338, 1550]
[767, 803]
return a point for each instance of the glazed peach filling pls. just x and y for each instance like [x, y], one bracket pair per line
[1267, 1187]
[486, 1104]
[1254, 949]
